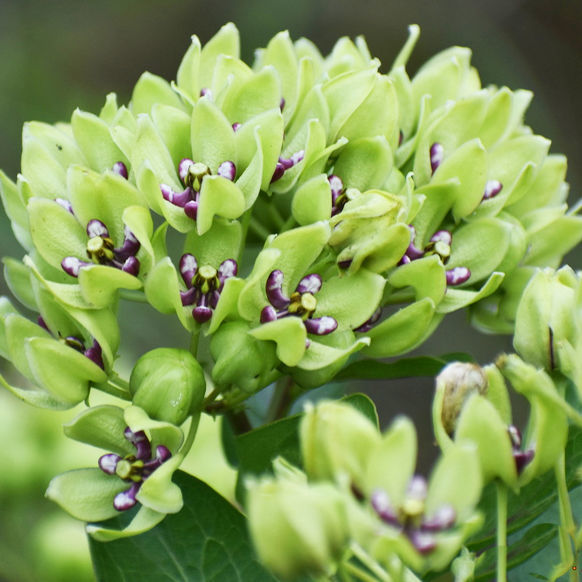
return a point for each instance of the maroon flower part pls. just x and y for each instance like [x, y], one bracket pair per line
[120, 169]
[370, 323]
[439, 244]
[492, 188]
[134, 469]
[191, 174]
[410, 517]
[101, 251]
[436, 156]
[94, 352]
[521, 458]
[204, 285]
[338, 194]
[302, 303]
[285, 164]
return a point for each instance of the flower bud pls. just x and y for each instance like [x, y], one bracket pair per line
[168, 384]
[336, 440]
[297, 528]
[240, 358]
[458, 381]
[546, 317]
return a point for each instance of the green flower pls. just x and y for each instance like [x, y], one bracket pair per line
[143, 454]
[287, 302]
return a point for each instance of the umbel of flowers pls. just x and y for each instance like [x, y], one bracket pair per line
[324, 208]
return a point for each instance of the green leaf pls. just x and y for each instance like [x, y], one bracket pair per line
[421, 366]
[206, 541]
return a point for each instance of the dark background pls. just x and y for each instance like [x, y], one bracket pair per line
[62, 54]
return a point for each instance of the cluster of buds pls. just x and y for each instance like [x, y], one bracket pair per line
[275, 211]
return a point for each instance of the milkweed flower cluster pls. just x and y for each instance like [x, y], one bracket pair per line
[324, 209]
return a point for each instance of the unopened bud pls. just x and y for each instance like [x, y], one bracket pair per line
[459, 381]
[168, 384]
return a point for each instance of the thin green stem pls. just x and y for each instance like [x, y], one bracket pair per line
[281, 399]
[116, 386]
[501, 532]
[369, 562]
[567, 525]
[275, 215]
[194, 342]
[359, 573]
[258, 228]
[135, 296]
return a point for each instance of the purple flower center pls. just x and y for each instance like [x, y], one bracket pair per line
[439, 244]
[192, 174]
[101, 251]
[204, 285]
[134, 469]
[285, 164]
[338, 194]
[436, 156]
[521, 458]
[302, 303]
[409, 516]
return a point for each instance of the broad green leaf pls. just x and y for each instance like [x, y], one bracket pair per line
[206, 541]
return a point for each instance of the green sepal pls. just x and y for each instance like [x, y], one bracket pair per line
[212, 136]
[173, 125]
[100, 283]
[151, 90]
[225, 42]
[86, 494]
[351, 299]
[397, 448]
[162, 291]
[158, 492]
[227, 306]
[47, 219]
[218, 197]
[93, 136]
[160, 432]
[15, 209]
[376, 116]
[337, 441]
[280, 54]
[312, 201]
[187, 77]
[455, 481]
[101, 426]
[260, 137]
[6, 310]
[289, 334]
[323, 361]
[403, 330]
[149, 150]
[249, 97]
[43, 164]
[425, 275]
[17, 331]
[63, 371]
[103, 197]
[455, 299]
[364, 163]
[480, 423]
[344, 93]
[36, 398]
[480, 246]
[497, 392]
[144, 520]
[17, 277]
[221, 242]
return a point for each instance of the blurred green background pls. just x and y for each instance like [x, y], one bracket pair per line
[58, 55]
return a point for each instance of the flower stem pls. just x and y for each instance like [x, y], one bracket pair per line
[501, 532]
[260, 230]
[359, 573]
[567, 526]
[369, 562]
[135, 296]
[116, 386]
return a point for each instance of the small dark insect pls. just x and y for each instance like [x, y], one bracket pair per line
[59, 147]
